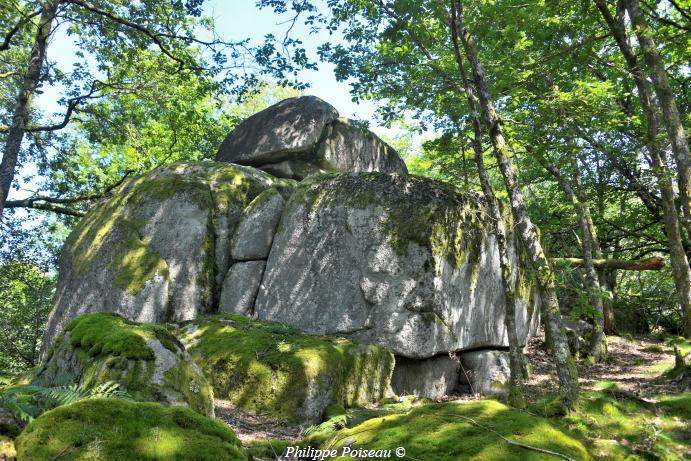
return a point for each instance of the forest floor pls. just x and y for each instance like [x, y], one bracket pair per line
[632, 364]
[628, 409]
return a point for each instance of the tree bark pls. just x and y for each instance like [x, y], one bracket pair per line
[20, 117]
[516, 359]
[648, 264]
[666, 101]
[681, 273]
[575, 195]
[566, 368]
[591, 278]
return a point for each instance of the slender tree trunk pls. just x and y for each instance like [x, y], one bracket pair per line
[516, 359]
[681, 272]
[589, 242]
[566, 368]
[20, 117]
[591, 277]
[670, 113]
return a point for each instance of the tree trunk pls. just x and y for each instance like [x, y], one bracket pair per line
[516, 359]
[566, 368]
[591, 277]
[608, 280]
[574, 195]
[670, 113]
[681, 272]
[17, 128]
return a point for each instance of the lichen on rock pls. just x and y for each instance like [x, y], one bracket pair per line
[157, 249]
[280, 374]
[146, 360]
[400, 261]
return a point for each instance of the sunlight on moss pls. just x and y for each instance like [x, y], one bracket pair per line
[125, 430]
[270, 368]
[440, 432]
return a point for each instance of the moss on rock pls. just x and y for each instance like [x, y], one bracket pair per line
[120, 430]
[146, 360]
[211, 185]
[110, 334]
[272, 369]
[443, 432]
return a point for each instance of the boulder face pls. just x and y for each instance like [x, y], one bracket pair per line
[432, 378]
[158, 249]
[145, 360]
[486, 371]
[398, 261]
[300, 136]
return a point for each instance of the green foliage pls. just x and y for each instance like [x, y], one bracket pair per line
[26, 292]
[122, 430]
[27, 402]
[563, 91]
[647, 301]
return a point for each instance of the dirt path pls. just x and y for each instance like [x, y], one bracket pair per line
[633, 365]
[250, 427]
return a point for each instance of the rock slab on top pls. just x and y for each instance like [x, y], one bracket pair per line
[292, 125]
[301, 136]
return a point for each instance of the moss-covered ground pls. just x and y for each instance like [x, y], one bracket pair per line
[274, 370]
[630, 408]
[440, 431]
[121, 430]
[640, 414]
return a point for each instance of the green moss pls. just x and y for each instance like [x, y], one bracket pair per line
[107, 347]
[268, 449]
[269, 368]
[110, 334]
[621, 428]
[120, 430]
[184, 378]
[441, 432]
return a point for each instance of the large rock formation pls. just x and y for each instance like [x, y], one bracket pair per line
[157, 250]
[398, 261]
[301, 136]
[393, 260]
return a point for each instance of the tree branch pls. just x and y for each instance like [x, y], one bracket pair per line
[648, 264]
[6, 43]
[55, 204]
[154, 36]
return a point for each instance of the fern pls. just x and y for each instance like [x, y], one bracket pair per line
[26, 402]
[328, 426]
